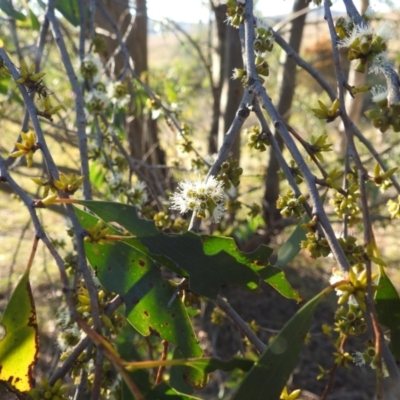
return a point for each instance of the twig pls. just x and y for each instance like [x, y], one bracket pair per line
[161, 369]
[79, 103]
[238, 321]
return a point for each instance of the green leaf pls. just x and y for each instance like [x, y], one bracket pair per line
[19, 343]
[8, 8]
[388, 308]
[271, 372]
[4, 84]
[96, 174]
[257, 261]
[291, 247]
[207, 273]
[127, 271]
[35, 24]
[69, 9]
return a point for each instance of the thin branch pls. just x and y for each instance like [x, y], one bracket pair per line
[238, 321]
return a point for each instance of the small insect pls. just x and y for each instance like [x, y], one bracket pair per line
[37, 87]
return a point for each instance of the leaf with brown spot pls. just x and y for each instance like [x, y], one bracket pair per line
[146, 295]
[19, 343]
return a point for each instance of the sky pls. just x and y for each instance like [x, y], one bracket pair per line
[194, 10]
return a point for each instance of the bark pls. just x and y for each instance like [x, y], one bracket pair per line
[142, 130]
[232, 90]
[217, 82]
[353, 105]
[286, 82]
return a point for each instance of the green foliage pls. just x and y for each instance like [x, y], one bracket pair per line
[272, 370]
[19, 342]
[150, 272]
[388, 308]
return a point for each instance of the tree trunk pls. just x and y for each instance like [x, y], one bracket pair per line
[286, 82]
[142, 130]
[218, 71]
[232, 90]
[353, 105]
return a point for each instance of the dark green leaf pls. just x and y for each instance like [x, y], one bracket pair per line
[8, 8]
[69, 9]
[388, 308]
[257, 261]
[34, 21]
[271, 372]
[125, 270]
[291, 247]
[4, 84]
[207, 273]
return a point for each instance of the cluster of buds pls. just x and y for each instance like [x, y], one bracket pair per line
[363, 43]
[262, 66]
[235, 12]
[350, 321]
[318, 145]
[294, 170]
[185, 143]
[327, 113]
[26, 147]
[394, 207]
[98, 233]
[29, 77]
[258, 140]
[47, 391]
[66, 184]
[354, 252]
[318, 247]
[386, 114]
[230, 173]
[381, 178]
[84, 307]
[162, 220]
[254, 210]
[285, 395]
[233, 206]
[290, 205]
[343, 28]
[33, 82]
[354, 290]
[48, 109]
[264, 40]
[345, 204]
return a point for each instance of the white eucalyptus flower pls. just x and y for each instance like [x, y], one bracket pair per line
[199, 196]
[379, 93]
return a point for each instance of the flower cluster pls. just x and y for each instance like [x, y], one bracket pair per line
[257, 139]
[290, 205]
[235, 12]
[387, 112]
[370, 356]
[364, 43]
[103, 93]
[200, 197]
[345, 204]
[354, 290]
[26, 147]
